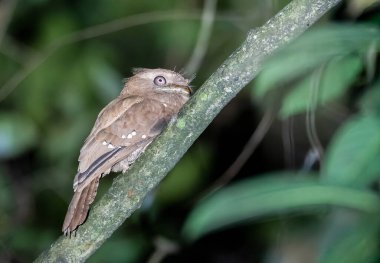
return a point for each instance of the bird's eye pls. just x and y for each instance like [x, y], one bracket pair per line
[159, 80]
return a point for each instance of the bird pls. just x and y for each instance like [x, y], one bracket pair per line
[149, 99]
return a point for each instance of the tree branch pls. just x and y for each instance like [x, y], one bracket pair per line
[128, 191]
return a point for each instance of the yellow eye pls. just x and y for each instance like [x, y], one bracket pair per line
[159, 81]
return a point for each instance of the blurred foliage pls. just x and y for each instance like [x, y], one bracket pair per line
[55, 77]
[17, 134]
[277, 193]
[362, 242]
[335, 56]
[353, 153]
[317, 70]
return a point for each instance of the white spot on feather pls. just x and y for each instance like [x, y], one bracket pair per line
[129, 136]
[104, 143]
[123, 136]
[110, 146]
[143, 136]
[134, 133]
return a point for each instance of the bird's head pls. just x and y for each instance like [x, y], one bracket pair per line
[159, 81]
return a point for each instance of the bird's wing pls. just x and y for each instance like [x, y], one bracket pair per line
[126, 135]
[108, 115]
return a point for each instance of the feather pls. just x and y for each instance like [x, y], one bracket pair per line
[80, 177]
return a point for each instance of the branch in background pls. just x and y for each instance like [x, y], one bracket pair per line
[163, 248]
[129, 190]
[6, 11]
[254, 141]
[312, 134]
[288, 142]
[34, 61]
[202, 44]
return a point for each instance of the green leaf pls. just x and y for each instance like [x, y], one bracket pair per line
[353, 157]
[330, 82]
[278, 193]
[313, 49]
[370, 101]
[359, 244]
[17, 134]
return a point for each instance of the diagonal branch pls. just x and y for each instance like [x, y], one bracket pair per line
[128, 191]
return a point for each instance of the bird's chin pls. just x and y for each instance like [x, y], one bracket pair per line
[178, 89]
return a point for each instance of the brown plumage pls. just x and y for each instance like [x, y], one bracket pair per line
[123, 129]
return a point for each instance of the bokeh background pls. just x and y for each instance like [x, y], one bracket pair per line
[308, 193]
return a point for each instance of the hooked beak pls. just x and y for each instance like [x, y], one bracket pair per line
[189, 90]
[175, 88]
[186, 88]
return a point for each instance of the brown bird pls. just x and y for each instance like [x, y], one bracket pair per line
[123, 129]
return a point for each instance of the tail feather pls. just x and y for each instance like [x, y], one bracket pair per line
[85, 189]
[79, 206]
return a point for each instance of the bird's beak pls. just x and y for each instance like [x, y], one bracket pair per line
[184, 88]
[189, 90]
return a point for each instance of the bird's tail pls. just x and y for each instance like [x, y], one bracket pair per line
[79, 206]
